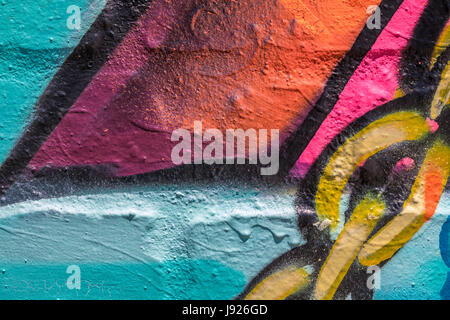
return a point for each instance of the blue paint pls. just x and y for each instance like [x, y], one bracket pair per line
[444, 243]
[240, 226]
[139, 227]
[183, 279]
[418, 271]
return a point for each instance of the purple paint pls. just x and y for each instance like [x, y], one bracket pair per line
[96, 130]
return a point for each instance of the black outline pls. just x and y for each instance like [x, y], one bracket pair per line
[108, 30]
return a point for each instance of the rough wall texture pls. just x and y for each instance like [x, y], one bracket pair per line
[92, 205]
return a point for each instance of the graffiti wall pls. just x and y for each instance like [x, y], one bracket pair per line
[263, 149]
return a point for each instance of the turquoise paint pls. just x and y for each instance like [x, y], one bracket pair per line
[245, 227]
[418, 271]
[184, 279]
[241, 226]
[230, 224]
[34, 41]
[444, 244]
[42, 24]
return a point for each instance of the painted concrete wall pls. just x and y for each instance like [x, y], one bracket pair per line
[92, 205]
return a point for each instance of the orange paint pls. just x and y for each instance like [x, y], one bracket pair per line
[259, 66]
[230, 64]
[433, 190]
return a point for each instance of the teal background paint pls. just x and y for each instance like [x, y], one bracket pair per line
[213, 238]
[418, 271]
[150, 281]
[134, 233]
[242, 227]
[34, 41]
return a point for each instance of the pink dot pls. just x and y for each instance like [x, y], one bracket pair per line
[434, 126]
[405, 164]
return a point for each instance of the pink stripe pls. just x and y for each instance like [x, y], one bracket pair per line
[373, 84]
[82, 120]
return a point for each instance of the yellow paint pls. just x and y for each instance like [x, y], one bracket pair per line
[442, 96]
[402, 228]
[347, 246]
[442, 43]
[380, 134]
[399, 93]
[280, 285]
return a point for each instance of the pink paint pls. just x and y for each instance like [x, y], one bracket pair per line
[434, 126]
[373, 84]
[405, 164]
[94, 131]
